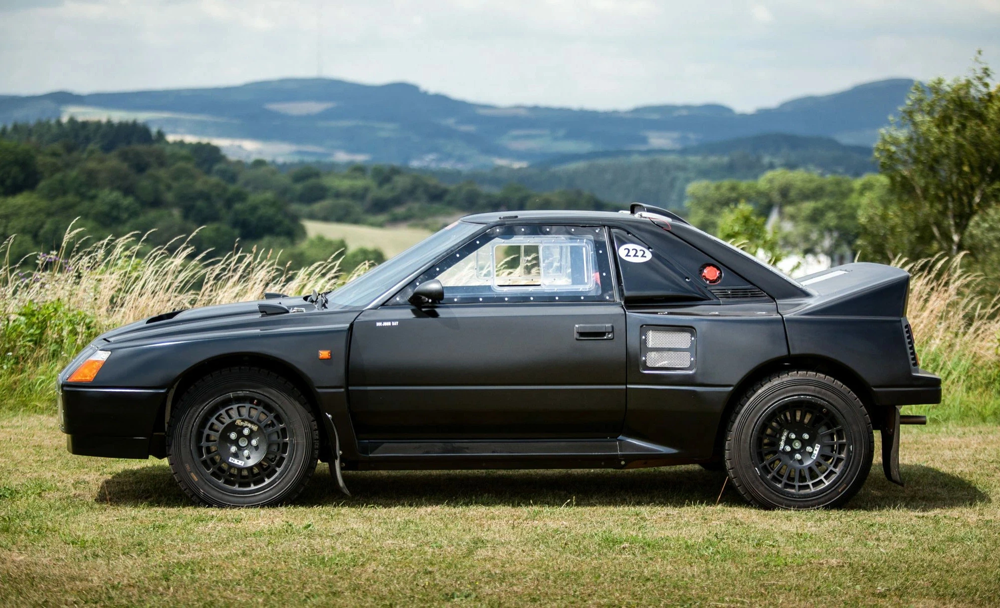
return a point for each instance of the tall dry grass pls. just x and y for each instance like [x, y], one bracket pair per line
[54, 304]
[117, 280]
[957, 330]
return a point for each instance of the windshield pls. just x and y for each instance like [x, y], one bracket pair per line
[363, 290]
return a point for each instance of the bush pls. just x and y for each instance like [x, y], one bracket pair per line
[312, 191]
[35, 342]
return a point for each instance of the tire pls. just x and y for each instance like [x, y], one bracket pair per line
[799, 440]
[260, 414]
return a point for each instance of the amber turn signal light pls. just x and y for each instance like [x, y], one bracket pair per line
[324, 355]
[87, 370]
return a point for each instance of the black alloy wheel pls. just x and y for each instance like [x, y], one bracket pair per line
[799, 440]
[800, 446]
[242, 437]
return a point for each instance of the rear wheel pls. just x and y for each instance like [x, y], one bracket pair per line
[242, 437]
[799, 440]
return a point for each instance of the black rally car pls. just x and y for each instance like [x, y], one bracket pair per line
[531, 339]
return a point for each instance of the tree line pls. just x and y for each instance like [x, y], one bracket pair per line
[116, 178]
[937, 190]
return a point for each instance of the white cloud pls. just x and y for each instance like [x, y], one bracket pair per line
[578, 53]
[761, 13]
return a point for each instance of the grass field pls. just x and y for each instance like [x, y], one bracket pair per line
[390, 240]
[75, 530]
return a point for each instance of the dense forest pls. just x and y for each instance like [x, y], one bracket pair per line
[116, 178]
[661, 178]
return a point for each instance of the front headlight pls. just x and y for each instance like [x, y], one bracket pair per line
[87, 371]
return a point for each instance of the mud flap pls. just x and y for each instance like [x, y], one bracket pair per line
[890, 445]
[331, 431]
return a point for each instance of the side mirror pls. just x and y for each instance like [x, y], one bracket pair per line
[427, 294]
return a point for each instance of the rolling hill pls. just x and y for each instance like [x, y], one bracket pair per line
[334, 120]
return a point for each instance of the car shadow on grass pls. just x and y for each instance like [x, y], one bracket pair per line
[927, 488]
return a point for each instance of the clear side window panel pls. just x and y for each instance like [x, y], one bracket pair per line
[525, 264]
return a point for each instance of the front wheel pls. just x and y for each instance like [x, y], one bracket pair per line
[799, 440]
[242, 437]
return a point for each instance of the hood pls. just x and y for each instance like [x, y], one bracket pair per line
[227, 317]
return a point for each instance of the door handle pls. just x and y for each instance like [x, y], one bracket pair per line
[594, 332]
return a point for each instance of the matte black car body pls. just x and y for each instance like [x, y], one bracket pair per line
[526, 383]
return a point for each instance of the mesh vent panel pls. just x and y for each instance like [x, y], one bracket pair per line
[668, 339]
[669, 359]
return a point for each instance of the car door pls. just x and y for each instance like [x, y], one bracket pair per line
[529, 342]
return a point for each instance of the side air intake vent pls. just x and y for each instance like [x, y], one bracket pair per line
[910, 347]
[666, 348]
[673, 359]
[737, 293]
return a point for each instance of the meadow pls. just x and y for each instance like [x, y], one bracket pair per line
[389, 240]
[75, 530]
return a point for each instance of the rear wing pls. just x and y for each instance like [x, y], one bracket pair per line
[854, 290]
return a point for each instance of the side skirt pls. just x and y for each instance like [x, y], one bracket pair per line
[617, 453]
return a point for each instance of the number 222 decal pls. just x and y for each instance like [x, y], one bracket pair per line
[634, 253]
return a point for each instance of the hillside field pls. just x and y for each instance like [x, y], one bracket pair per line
[391, 240]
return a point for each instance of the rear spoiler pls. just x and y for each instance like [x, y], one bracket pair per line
[856, 290]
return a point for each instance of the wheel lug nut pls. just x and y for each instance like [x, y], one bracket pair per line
[805, 436]
[809, 449]
[791, 435]
[798, 457]
[232, 449]
[253, 442]
[788, 448]
[246, 454]
[232, 436]
[246, 431]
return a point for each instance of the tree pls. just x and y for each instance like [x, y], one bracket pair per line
[18, 168]
[304, 174]
[708, 200]
[742, 226]
[312, 191]
[942, 155]
[265, 215]
[820, 215]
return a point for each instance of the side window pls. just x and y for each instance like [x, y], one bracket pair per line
[649, 275]
[525, 264]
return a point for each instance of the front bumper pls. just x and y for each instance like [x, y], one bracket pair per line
[112, 422]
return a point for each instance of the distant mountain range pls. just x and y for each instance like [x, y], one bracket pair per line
[334, 120]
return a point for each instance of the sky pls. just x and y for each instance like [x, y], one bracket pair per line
[596, 54]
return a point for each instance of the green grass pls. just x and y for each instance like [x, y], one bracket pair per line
[75, 530]
[390, 240]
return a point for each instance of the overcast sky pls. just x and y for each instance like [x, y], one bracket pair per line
[601, 54]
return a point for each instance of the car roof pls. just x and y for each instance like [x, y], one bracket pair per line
[548, 216]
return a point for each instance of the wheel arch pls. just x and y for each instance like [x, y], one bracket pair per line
[813, 363]
[247, 359]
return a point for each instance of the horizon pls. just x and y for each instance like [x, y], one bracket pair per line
[597, 55]
[430, 92]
